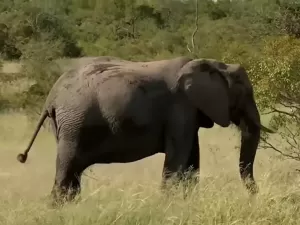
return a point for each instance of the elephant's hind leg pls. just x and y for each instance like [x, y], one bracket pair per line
[69, 168]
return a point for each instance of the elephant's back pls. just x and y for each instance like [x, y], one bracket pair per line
[102, 73]
[141, 91]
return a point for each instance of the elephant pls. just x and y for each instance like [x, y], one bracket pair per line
[117, 111]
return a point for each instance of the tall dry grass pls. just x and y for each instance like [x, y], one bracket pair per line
[130, 194]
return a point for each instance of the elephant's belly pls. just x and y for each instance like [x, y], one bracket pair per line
[125, 147]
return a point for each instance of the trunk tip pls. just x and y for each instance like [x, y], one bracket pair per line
[265, 129]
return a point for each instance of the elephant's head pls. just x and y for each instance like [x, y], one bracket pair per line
[224, 93]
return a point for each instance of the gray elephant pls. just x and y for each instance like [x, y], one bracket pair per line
[117, 111]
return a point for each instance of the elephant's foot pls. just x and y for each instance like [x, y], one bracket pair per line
[187, 181]
[251, 187]
[65, 190]
[62, 195]
[190, 181]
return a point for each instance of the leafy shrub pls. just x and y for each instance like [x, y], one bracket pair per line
[44, 73]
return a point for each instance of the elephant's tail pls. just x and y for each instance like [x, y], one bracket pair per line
[23, 157]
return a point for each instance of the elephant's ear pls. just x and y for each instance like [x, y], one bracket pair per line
[207, 89]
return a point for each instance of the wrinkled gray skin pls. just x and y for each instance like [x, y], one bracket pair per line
[116, 111]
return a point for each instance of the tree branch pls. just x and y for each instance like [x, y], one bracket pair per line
[280, 112]
[270, 146]
[195, 30]
[289, 106]
[288, 98]
[196, 27]
[293, 136]
[266, 113]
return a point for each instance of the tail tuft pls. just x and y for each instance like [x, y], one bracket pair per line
[22, 158]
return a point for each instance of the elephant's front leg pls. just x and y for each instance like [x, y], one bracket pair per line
[179, 164]
[194, 161]
[193, 167]
[181, 150]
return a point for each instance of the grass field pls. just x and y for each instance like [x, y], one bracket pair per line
[129, 193]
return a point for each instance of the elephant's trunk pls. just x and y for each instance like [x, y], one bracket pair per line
[250, 131]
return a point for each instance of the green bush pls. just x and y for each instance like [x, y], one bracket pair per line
[24, 23]
[44, 73]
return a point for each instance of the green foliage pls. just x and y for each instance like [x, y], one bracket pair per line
[24, 23]
[278, 70]
[44, 73]
[277, 82]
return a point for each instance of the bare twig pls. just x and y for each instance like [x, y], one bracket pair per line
[289, 106]
[293, 136]
[196, 27]
[187, 46]
[93, 178]
[195, 30]
[269, 112]
[274, 110]
[270, 146]
[291, 144]
[288, 98]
